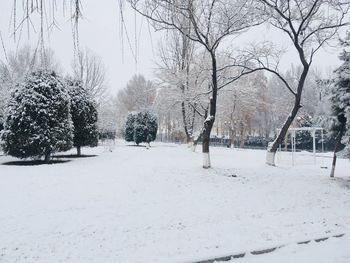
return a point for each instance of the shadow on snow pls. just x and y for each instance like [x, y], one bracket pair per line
[152, 146]
[73, 156]
[56, 159]
[33, 162]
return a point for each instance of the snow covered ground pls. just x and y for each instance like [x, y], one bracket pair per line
[159, 205]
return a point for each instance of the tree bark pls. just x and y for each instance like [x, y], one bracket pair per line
[271, 151]
[195, 141]
[242, 135]
[78, 150]
[336, 149]
[209, 121]
[47, 157]
[183, 110]
[232, 137]
[185, 65]
[286, 142]
[208, 125]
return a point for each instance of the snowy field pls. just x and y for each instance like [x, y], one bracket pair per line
[159, 205]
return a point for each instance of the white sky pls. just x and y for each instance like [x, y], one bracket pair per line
[100, 32]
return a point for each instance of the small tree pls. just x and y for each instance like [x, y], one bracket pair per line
[141, 127]
[84, 116]
[340, 100]
[151, 123]
[129, 127]
[140, 133]
[38, 121]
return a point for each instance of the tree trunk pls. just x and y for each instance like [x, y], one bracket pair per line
[78, 150]
[47, 157]
[185, 65]
[209, 121]
[271, 151]
[286, 142]
[336, 149]
[208, 125]
[193, 118]
[232, 138]
[183, 109]
[242, 136]
[333, 164]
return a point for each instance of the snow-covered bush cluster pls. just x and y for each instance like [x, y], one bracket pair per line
[38, 118]
[141, 127]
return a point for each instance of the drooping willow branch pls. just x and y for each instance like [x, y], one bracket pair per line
[40, 16]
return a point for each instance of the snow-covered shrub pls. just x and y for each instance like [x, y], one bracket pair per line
[150, 122]
[37, 119]
[255, 141]
[140, 133]
[129, 127]
[84, 116]
[141, 127]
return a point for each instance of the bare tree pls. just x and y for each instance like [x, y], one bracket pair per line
[181, 70]
[139, 94]
[210, 23]
[18, 64]
[242, 108]
[5, 87]
[108, 116]
[27, 59]
[90, 69]
[169, 115]
[309, 25]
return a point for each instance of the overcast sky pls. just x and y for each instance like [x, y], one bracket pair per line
[100, 32]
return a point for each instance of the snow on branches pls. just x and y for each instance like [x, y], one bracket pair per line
[38, 121]
[141, 127]
[84, 115]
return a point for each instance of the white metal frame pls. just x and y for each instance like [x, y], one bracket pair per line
[313, 133]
